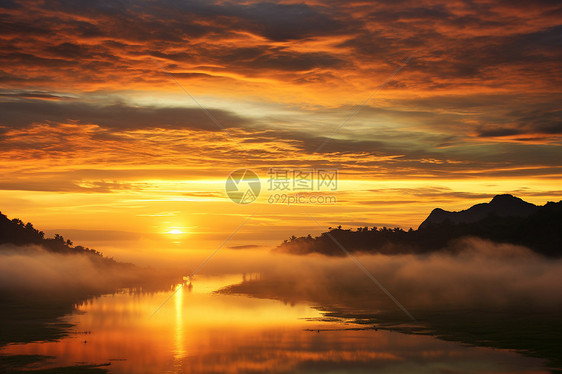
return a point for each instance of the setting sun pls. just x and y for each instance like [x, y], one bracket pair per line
[175, 232]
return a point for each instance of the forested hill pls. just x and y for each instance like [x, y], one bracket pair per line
[501, 205]
[15, 232]
[536, 227]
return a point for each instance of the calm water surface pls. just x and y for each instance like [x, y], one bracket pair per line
[198, 330]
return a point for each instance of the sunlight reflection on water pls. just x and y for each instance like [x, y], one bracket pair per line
[201, 331]
[180, 349]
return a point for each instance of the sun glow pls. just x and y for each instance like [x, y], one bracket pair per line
[175, 232]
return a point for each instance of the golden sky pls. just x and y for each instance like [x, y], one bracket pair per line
[103, 136]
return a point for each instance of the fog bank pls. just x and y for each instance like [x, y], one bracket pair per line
[475, 273]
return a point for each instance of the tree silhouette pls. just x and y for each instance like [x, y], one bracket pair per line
[541, 232]
[17, 233]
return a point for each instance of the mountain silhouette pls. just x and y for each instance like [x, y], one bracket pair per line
[501, 205]
[505, 219]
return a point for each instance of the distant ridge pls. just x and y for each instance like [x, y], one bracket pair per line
[501, 205]
[505, 219]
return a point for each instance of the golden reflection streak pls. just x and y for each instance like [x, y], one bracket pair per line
[179, 352]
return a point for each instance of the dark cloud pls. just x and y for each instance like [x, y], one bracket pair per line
[264, 59]
[398, 149]
[8, 4]
[34, 95]
[499, 132]
[448, 45]
[282, 22]
[491, 115]
[173, 20]
[117, 115]
[461, 47]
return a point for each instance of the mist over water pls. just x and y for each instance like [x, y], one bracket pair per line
[34, 274]
[473, 273]
[289, 296]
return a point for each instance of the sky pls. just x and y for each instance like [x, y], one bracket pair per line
[120, 121]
